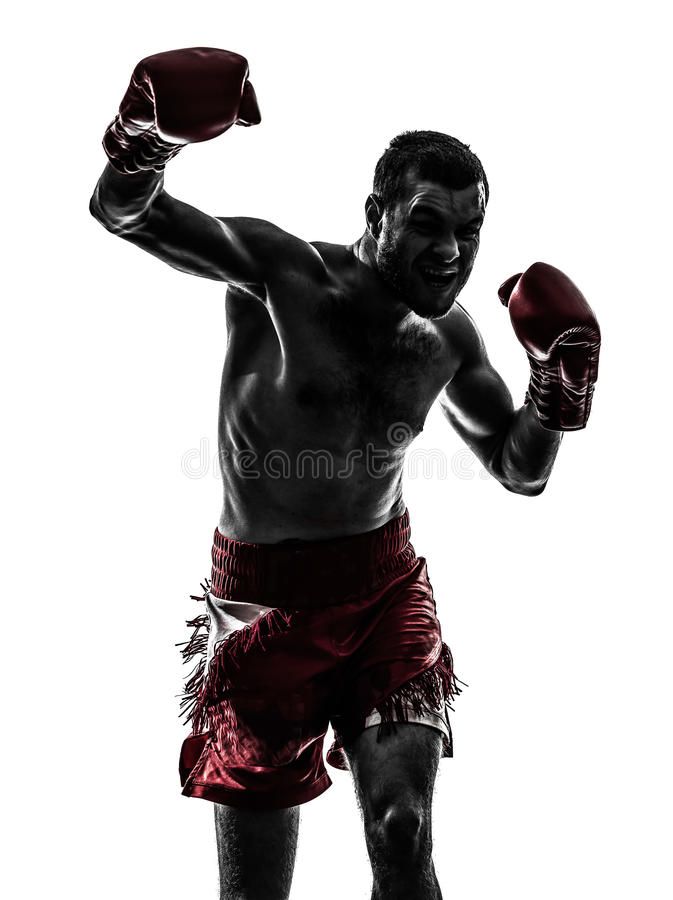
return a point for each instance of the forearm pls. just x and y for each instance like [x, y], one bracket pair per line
[526, 454]
[120, 201]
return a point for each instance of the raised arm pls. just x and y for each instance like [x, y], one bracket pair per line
[240, 251]
[175, 98]
[511, 444]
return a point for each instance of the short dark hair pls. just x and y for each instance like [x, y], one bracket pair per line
[433, 155]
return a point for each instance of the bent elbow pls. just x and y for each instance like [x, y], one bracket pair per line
[98, 214]
[525, 488]
[110, 224]
[531, 489]
[94, 208]
[111, 218]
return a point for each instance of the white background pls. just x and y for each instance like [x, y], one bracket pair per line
[556, 608]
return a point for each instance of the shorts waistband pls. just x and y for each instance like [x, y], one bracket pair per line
[310, 573]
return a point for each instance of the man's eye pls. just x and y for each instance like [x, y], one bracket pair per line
[470, 233]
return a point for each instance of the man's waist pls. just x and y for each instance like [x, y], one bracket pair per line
[301, 573]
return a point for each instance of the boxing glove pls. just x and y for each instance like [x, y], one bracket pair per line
[177, 98]
[560, 334]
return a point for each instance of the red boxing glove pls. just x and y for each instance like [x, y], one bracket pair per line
[560, 333]
[177, 98]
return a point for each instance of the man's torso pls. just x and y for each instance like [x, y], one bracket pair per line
[324, 387]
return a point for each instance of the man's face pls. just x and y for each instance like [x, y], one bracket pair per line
[428, 242]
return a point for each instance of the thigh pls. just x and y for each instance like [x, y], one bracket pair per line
[397, 768]
[256, 851]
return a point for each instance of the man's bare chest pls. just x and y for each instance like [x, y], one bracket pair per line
[337, 363]
[375, 373]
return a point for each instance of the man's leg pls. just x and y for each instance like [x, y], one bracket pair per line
[256, 850]
[394, 783]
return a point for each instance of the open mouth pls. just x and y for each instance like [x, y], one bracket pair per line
[438, 279]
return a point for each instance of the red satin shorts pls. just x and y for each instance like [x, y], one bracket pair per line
[299, 636]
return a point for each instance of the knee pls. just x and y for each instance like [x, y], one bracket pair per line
[399, 830]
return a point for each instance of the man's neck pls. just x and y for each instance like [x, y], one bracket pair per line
[364, 250]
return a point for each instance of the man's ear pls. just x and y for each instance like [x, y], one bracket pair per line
[374, 215]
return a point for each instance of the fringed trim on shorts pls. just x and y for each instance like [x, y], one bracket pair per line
[195, 646]
[204, 698]
[423, 694]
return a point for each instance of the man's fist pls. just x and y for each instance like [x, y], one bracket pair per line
[560, 333]
[177, 98]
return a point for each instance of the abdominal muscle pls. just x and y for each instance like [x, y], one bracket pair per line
[309, 474]
[305, 500]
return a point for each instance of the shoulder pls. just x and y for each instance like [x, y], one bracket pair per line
[338, 259]
[269, 243]
[465, 339]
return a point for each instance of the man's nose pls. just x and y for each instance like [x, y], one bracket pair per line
[446, 247]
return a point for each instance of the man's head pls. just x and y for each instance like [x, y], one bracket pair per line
[429, 199]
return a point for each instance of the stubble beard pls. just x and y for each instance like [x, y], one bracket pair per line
[389, 264]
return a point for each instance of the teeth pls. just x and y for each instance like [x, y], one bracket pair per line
[437, 272]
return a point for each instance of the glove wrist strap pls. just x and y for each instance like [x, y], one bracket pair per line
[143, 152]
[560, 405]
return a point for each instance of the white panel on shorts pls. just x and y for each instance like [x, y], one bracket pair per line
[435, 719]
[227, 616]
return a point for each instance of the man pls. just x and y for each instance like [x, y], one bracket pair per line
[319, 611]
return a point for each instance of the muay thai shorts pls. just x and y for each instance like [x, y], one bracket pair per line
[298, 636]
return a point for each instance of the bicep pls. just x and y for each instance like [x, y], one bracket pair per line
[478, 404]
[237, 251]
